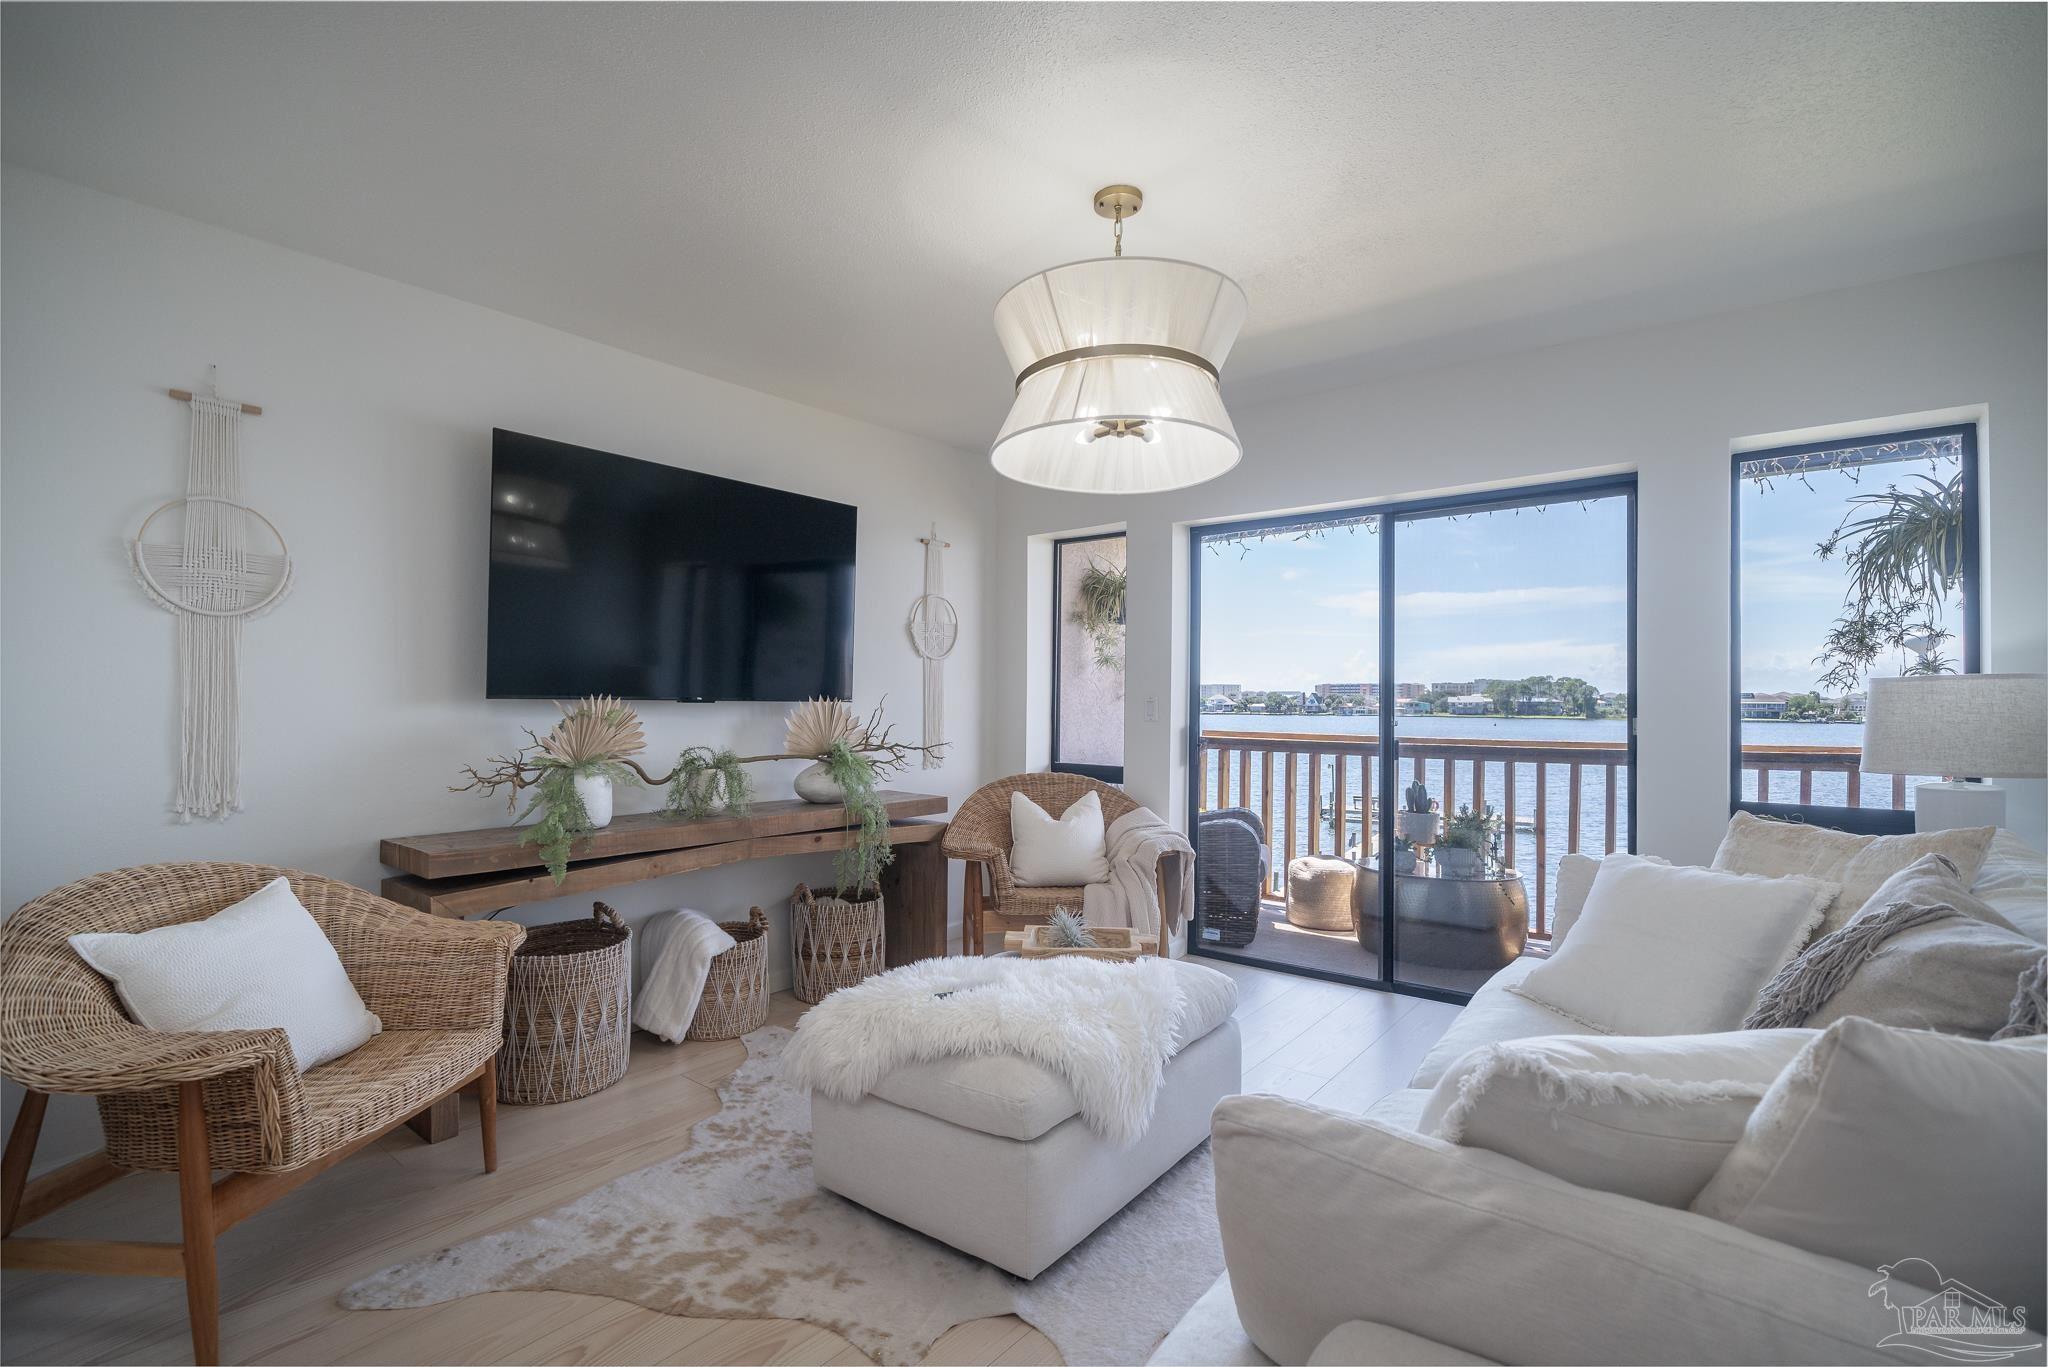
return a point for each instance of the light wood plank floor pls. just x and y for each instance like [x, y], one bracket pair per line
[280, 1272]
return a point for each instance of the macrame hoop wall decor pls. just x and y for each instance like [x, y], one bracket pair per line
[231, 564]
[934, 628]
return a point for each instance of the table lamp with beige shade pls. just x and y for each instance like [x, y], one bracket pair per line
[1961, 726]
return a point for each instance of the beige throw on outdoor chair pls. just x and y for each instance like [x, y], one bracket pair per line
[196, 1102]
[980, 834]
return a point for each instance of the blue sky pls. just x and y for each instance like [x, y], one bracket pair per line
[1508, 594]
[1790, 597]
[1498, 595]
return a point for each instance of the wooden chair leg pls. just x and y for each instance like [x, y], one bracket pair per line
[195, 1206]
[487, 1112]
[21, 1151]
[970, 910]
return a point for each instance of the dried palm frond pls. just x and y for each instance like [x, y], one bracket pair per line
[819, 724]
[594, 730]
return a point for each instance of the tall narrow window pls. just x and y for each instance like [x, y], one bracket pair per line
[1088, 657]
[1853, 560]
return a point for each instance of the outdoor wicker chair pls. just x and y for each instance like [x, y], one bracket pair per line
[980, 834]
[196, 1102]
[1231, 863]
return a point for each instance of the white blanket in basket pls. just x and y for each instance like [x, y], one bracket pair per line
[1106, 1028]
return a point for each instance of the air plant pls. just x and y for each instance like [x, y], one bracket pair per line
[1065, 930]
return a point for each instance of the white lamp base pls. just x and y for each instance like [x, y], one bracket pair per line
[1946, 806]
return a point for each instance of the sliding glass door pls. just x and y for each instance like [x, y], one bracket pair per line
[1408, 715]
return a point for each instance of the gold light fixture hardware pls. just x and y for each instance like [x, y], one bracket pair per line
[1117, 203]
[1119, 427]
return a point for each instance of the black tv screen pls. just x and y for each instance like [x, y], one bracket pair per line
[623, 576]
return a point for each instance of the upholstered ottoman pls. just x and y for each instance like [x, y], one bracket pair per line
[992, 1155]
[1320, 892]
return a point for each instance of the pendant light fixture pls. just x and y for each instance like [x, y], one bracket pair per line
[1117, 360]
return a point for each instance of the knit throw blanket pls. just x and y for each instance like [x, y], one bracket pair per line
[1106, 1028]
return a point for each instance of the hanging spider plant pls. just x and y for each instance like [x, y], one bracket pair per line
[1903, 548]
[1099, 612]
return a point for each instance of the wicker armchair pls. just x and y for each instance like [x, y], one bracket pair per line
[980, 834]
[197, 1102]
[1231, 864]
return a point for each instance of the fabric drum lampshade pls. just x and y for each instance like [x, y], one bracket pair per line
[1958, 726]
[1117, 361]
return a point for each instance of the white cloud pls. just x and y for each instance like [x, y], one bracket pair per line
[1465, 602]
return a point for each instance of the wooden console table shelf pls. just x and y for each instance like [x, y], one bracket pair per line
[472, 873]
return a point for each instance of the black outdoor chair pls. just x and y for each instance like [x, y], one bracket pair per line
[1230, 870]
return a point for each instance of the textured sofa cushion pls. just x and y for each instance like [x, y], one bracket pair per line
[2013, 880]
[262, 963]
[1328, 1218]
[1858, 863]
[1878, 1144]
[1651, 1118]
[1924, 953]
[1668, 950]
[1575, 875]
[1495, 1013]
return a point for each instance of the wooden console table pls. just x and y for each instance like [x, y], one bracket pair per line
[472, 873]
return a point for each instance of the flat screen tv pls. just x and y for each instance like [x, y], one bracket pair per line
[623, 576]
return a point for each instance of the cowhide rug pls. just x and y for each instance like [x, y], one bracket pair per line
[734, 1228]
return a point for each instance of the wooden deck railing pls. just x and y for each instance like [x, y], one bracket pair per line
[1315, 791]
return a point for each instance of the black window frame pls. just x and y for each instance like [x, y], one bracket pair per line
[1103, 773]
[1855, 820]
[1391, 511]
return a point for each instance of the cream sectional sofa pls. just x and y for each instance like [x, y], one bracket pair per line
[1460, 1255]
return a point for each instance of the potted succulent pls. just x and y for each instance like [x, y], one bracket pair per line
[1416, 821]
[1404, 855]
[1468, 839]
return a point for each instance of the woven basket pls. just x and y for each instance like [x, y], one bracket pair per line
[568, 1011]
[834, 943]
[735, 998]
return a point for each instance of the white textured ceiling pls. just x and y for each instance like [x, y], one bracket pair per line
[824, 201]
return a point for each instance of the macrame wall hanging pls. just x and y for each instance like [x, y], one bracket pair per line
[231, 564]
[934, 627]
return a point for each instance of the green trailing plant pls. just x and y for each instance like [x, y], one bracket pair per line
[563, 817]
[859, 866]
[1099, 612]
[707, 781]
[1415, 798]
[1903, 549]
[1065, 930]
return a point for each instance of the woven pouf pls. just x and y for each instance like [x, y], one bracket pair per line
[1319, 890]
[833, 943]
[568, 1011]
[735, 998]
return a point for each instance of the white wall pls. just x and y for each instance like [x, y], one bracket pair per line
[1667, 402]
[363, 692]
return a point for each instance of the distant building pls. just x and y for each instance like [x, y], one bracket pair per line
[1469, 704]
[1350, 692]
[1408, 692]
[1539, 706]
[1412, 707]
[1855, 704]
[1221, 702]
[1221, 691]
[1764, 706]
[1452, 690]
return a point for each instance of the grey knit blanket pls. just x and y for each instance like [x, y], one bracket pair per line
[1806, 984]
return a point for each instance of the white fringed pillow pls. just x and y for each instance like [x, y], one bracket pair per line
[1648, 1117]
[261, 964]
[1048, 851]
[1664, 949]
[1859, 863]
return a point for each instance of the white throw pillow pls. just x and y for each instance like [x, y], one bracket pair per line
[1575, 875]
[262, 963]
[1663, 949]
[1860, 863]
[1057, 852]
[1648, 1117]
[1880, 1144]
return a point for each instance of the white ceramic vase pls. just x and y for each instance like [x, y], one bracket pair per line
[595, 792]
[816, 784]
[1418, 828]
[1457, 862]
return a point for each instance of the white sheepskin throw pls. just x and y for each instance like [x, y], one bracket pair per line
[1106, 1028]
